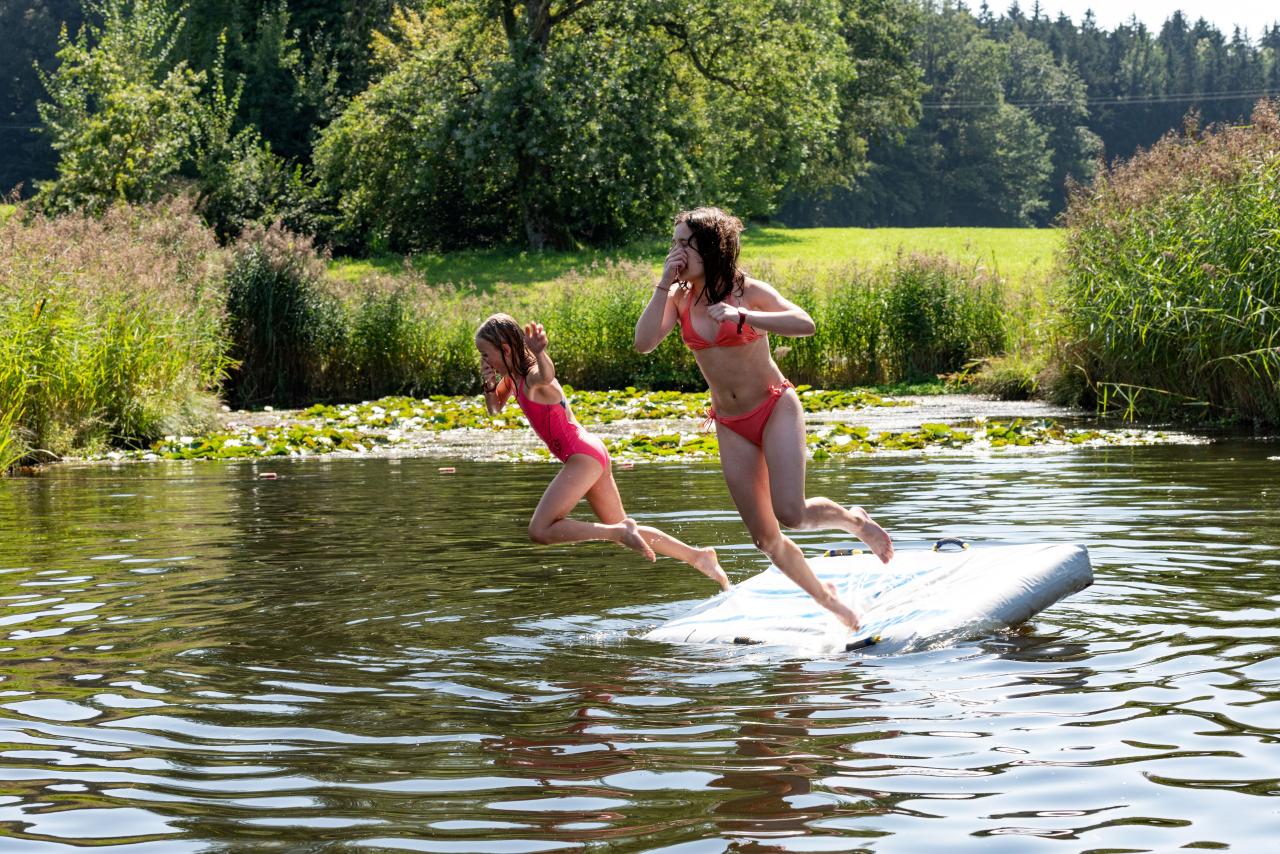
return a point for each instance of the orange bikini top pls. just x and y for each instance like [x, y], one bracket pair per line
[727, 336]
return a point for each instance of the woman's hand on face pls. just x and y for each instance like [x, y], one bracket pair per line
[722, 311]
[487, 374]
[535, 338]
[675, 265]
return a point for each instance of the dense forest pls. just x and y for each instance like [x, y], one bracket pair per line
[1016, 103]
[436, 123]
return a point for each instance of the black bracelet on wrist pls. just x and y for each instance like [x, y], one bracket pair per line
[742, 318]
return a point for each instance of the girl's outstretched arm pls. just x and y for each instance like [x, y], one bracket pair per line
[543, 371]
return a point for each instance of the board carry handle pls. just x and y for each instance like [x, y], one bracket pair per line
[841, 552]
[862, 643]
[950, 541]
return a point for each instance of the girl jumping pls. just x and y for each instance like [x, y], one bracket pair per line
[515, 361]
[724, 318]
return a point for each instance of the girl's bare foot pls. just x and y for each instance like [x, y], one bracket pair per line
[709, 565]
[632, 539]
[876, 538]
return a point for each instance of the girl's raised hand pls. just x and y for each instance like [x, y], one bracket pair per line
[535, 338]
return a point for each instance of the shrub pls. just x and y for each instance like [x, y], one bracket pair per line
[1172, 277]
[1012, 376]
[939, 315]
[287, 332]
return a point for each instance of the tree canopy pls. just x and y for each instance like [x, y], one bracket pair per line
[415, 124]
[582, 121]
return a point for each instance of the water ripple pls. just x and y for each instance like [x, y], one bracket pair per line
[367, 653]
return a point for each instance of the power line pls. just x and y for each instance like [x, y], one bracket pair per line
[1111, 101]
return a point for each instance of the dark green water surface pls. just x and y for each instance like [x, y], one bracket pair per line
[369, 655]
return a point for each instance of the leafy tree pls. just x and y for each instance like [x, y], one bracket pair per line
[998, 163]
[578, 120]
[284, 57]
[1056, 101]
[121, 115]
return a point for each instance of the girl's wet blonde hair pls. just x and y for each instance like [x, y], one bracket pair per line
[499, 329]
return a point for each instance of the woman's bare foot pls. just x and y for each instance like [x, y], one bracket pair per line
[632, 539]
[709, 565]
[876, 538]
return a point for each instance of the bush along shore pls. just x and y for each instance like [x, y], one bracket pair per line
[1170, 283]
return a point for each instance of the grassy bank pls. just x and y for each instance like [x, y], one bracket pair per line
[6, 211]
[915, 316]
[1022, 256]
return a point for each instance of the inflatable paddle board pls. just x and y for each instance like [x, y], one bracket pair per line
[920, 599]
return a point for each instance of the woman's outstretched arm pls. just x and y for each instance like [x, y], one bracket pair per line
[766, 310]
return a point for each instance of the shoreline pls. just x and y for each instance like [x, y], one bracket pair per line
[955, 424]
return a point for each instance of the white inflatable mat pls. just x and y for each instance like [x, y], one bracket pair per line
[921, 599]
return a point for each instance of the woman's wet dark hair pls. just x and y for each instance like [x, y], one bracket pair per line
[715, 236]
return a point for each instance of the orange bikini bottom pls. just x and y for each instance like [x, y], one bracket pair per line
[750, 426]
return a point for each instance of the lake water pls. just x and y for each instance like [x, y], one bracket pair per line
[368, 654]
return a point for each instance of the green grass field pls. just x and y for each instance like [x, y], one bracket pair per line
[6, 211]
[1023, 255]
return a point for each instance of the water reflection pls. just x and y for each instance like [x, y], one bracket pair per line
[370, 652]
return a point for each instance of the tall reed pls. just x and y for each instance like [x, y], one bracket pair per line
[113, 328]
[1171, 282]
[918, 315]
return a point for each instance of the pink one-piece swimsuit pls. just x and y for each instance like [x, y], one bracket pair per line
[553, 424]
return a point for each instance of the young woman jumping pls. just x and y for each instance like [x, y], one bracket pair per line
[724, 317]
[515, 362]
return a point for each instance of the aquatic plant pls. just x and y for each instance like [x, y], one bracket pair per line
[829, 441]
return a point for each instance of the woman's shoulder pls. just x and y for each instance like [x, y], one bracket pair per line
[753, 287]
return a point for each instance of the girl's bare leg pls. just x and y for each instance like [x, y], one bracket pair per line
[607, 504]
[784, 453]
[550, 523]
[747, 477]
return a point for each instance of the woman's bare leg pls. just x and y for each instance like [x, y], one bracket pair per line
[748, 480]
[550, 523]
[607, 504]
[784, 452]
